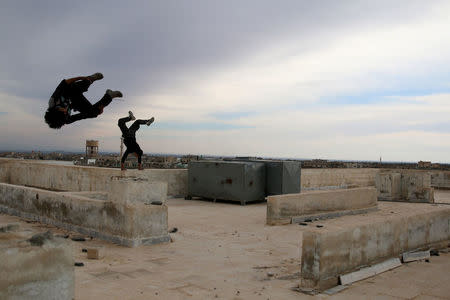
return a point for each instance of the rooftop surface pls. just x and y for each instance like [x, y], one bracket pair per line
[225, 251]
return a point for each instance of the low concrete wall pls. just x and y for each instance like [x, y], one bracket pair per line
[312, 179]
[123, 223]
[405, 186]
[440, 179]
[282, 209]
[35, 271]
[332, 251]
[77, 178]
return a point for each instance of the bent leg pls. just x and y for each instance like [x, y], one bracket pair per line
[102, 103]
[80, 86]
[81, 104]
[136, 125]
[122, 126]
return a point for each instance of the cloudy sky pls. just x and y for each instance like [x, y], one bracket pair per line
[309, 79]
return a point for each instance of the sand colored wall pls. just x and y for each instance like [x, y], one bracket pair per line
[325, 178]
[405, 186]
[440, 179]
[332, 251]
[77, 178]
[282, 208]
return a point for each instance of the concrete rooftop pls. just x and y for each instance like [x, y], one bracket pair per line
[225, 251]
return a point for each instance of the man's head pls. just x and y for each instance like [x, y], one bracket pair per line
[55, 118]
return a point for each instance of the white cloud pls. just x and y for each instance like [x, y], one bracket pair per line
[282, 83]
[350, 62]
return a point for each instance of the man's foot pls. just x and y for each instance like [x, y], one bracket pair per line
[130, 114]
[150, 121]
[114, 94]
[95, 76]
[140, 167]
[122, 167]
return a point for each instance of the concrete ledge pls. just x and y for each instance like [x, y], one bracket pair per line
[35, 271]
[129, 225]
[43, 175]
[282, 209]
[332, 251]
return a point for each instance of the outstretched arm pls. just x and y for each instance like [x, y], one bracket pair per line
[81, 116]
[76, 117]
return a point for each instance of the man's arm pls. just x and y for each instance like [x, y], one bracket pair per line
[82, 116]
[78, 117]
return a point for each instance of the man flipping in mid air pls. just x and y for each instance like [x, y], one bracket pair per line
[129, 138]
[69, 96]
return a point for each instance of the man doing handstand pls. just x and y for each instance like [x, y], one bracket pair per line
[69, 96]
[129, 138]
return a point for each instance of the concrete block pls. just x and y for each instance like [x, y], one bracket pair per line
[330, 252]
[281, 209]
[35, 272]
[131, 190]
[405, 185]
[95, 253]
[370, 271]
[335, 290]
[413, 256]
[125, 224]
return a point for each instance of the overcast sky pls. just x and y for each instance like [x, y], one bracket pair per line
[308, 79]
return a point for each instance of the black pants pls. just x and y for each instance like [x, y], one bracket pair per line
[74, 92]
[129, 137]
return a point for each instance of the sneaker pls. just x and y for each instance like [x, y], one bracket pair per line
[95, 76]
[130, 114]
[150, 121]
[114, 94]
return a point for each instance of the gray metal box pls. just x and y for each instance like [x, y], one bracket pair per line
[282, 176]
[227, 180]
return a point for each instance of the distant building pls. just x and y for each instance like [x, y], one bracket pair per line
[424, 164]
[91, 148]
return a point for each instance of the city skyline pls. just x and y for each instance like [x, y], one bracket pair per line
[209, 156]
[345, 81]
